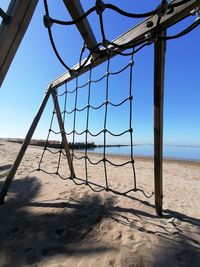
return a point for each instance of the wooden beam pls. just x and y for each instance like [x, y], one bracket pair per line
[63, 135]
[135, 34]
[24, 146]
[167, 21]
[11, 34]
[159, 65]
[76, 10]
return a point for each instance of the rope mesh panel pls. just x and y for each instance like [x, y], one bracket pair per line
[88, 133]
[108, 49]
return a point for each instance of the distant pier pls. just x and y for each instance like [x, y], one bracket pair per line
[59, 145]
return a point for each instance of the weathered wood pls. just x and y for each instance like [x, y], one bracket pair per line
[63, 135]
[75, 9]
[24, 146]
[159, 65]
[11, 34]
[167, 21]
[135, 34]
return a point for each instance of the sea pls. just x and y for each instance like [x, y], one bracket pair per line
[169, 151]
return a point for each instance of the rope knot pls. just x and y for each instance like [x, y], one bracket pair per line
[100, 7]
[161, 10]
[47, 21]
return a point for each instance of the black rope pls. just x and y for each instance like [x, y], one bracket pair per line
[182, 33]
[87, 125]
[95, 81]
[112, 7]
[109, 47]
[94, 8]
[130, 119]
[102, 29]
[52, 40]
[74, 122]
[86, 156]
[163, 9]
[130, 15]
[101, 188]
[105, 123]
[47, 139]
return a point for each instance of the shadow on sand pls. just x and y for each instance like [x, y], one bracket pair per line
[30, 231]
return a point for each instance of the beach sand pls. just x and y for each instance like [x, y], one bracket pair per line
[47, 221]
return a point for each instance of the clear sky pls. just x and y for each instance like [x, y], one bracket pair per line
[35, 66]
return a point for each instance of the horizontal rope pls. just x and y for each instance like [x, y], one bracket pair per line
[114, 8]
[182, 33]
[97, 107]
[101, 188]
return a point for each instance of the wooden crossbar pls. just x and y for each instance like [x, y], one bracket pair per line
[135, 34]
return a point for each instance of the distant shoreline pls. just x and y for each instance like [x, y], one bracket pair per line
[59, 145]
[56, 143]
[148, 158]
[121, 155]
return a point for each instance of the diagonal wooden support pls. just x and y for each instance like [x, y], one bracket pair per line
[24, 146]
[159, 65]
[76, 11]
[62, 130]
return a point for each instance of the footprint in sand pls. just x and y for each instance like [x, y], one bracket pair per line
[119, 236]
[112, 262]
[131, 237]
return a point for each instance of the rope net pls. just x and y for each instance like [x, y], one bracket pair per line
[88, 116]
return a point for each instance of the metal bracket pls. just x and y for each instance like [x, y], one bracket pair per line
[196, 12]
[150, 38]
[73, 72]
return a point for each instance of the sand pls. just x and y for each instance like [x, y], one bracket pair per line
[47, 221]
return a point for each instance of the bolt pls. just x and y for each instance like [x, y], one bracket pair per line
[149, 24]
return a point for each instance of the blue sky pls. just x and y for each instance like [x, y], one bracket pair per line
[35, 66]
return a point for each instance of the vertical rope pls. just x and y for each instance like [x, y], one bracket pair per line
[102, 29]
[130, 117]
[87, 125]
[74, 122]
[105, 123]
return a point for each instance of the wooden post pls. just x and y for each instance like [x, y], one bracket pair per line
[11, 34]
[62, 130]
[159, 64]
[24, 146]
